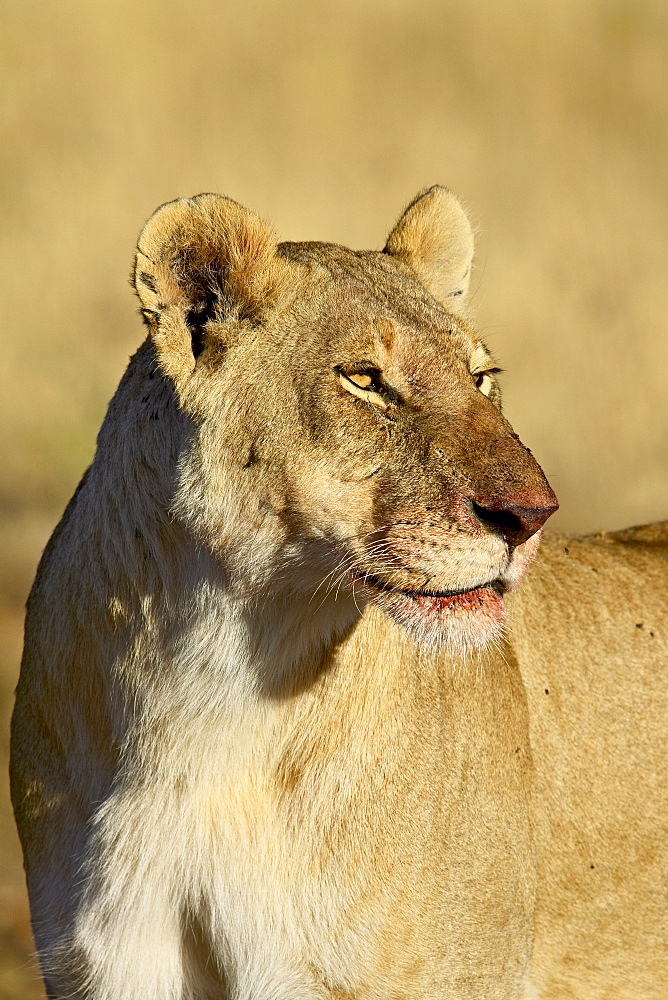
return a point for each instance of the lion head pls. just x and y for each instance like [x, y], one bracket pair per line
[340, 420]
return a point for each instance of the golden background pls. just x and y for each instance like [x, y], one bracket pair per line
[549, 119]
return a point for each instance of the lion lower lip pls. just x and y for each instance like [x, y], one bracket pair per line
[495, 585]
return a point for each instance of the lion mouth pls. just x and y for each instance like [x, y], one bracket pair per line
[496, 585]
[466, 618]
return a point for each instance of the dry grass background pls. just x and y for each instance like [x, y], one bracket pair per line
[548, 118]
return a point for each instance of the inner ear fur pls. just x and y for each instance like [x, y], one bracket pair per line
[435, 239]
[201, 261]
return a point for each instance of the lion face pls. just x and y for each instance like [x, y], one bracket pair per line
[347, 431]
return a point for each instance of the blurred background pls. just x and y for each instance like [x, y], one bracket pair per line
[550, 120]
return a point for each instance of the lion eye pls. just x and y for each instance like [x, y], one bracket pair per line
[364, 385]
[361, 379]
[484, 380]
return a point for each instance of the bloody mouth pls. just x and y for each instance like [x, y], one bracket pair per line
[437, 598]
[440, 610]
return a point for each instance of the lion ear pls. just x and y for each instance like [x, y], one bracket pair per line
[434, 237]
[201, 264]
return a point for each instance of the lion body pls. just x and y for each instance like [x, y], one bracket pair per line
[231, 781]
[588, 631]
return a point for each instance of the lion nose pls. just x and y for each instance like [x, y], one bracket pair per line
[514, 522]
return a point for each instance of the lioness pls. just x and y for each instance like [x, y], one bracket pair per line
[273, 737]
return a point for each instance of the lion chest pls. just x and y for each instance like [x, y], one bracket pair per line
[364, 843]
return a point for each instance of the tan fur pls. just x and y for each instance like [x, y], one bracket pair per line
[434, 237]
[273, 738]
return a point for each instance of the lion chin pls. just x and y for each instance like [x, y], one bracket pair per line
[465, 618]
